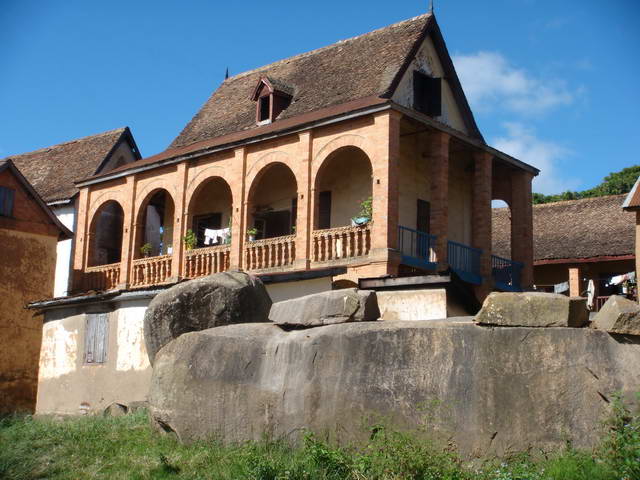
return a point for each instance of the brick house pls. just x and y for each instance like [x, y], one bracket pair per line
[575, 242]
[274, 174]
[29, 233]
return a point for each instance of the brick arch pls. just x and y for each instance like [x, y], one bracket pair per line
[269, 159]
[100, 200]
[201, 179]
[92, 234]
[346, 140]
[150, 189]
[257, 176]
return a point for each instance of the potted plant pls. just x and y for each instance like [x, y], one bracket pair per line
[190, 240]
[365, 214]
[145, 249]
[251, 233]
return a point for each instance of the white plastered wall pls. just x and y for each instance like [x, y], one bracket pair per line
[67, 216]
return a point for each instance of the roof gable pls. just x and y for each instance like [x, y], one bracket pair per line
[53, 170]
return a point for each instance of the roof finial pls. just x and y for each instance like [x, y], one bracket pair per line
[431, 7]
[226, 74]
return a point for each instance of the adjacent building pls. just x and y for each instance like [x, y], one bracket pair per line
[29, 233]
[581, 247]
[358, 160]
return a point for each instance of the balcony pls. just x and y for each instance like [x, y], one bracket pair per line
[417, 248]
[341, 243]
[506, 274]
[200, 262]
[465, 261]
[270, 253]
[151, 271]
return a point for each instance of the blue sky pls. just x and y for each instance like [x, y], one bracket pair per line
[553, 83]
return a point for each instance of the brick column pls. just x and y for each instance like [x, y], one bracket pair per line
[82, 240]
[481, 216]
[128, 232]
[304, 226]
[438, 156]
[522, 224]
[385, 163]
[179, 215]
[238, 226]
[575, 281]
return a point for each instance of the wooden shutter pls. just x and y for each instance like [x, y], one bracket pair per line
[96, 338]
[427, 94]
[6, 201]
[424, 216]
[324, 210]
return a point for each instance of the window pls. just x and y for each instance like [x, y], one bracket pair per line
[95, 344]
[424, 216]
[212, 221]
[6, 201]
[324, 210]
[427, 94]
[264, 105]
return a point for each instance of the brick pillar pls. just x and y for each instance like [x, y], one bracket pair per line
[82, 235]
[128, 232]
[385, 163]
[179, 215]
[438, 156]
[575, 281]
[481, 216]
[522, 224]
[303, 222]
[238, 226]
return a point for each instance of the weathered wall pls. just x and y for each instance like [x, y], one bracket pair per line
[68, 385]
[492, 390]
[288, 290]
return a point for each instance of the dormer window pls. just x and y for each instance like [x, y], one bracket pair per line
[427, 94]
[271, 99]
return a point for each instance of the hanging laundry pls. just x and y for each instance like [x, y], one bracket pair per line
[591, 293]
[561, 287]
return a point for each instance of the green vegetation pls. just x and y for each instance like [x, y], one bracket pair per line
[613, 184]
[126, 448]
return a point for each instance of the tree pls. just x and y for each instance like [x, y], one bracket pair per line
[613, 184]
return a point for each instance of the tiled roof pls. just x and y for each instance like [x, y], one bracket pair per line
[53, 170]
[349, 70]
[587, 228]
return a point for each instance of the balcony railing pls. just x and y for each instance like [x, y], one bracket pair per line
[151, 271]
[506, 273]
[200, 262]
[341, 243]
[417, 248]
[270, 253]
[102, 277]
[465, 261]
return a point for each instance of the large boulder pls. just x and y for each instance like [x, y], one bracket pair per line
[488, 390]
[326, 308]
[207, 302]
[618, 315]
[533, 309]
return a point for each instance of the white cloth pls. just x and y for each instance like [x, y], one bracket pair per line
[561, 287]
[213, 236]
[591, 293]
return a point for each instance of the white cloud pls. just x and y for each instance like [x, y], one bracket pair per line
[490, 82]
[522, 143]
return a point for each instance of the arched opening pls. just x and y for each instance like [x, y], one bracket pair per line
[273, 203]
[106, 235]
[343, 189]
[155, 225]
[210, 213]
[501, 228]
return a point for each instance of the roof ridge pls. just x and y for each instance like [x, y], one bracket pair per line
[577, 200]
[68, 142]
[326, 47]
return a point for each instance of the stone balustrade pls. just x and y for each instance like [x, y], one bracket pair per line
[270, 253]
[200, 262]
[103, 277]
[151, 270]
[341, 243]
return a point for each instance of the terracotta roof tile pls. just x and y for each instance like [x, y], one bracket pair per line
[587, 228]
[53, 170]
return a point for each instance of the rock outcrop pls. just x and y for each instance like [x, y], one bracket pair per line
[618, 315]
[533, 309]
[221, 299]
[326, 308]
[490, 390]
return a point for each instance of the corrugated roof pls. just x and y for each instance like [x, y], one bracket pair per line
[53, 170]
[587, 228]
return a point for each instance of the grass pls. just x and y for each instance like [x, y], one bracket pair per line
[127, 448]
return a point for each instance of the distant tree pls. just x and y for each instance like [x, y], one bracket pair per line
[613, 184]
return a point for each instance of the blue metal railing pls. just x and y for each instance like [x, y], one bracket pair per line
[465, 261]
[416, 248]
[506, 273]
